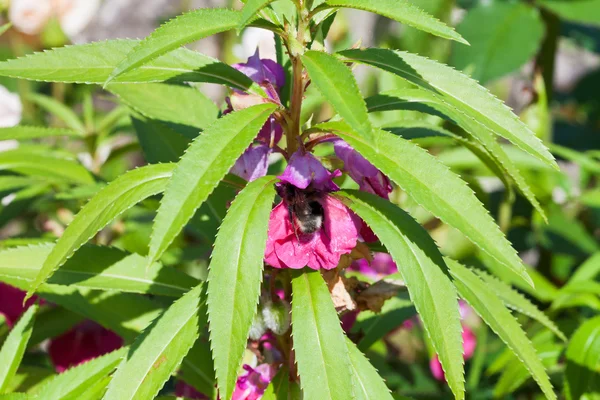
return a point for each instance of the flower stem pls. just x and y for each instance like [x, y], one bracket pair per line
[298, 84]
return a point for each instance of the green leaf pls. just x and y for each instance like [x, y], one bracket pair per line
[93, 62]
[4, 28]
[26, 162]
[120, 195]
[581, 11]
[235, 276]
[250, 11]
[279, 387]
[210, 156]
[337, 84]
[577, 157]
[184, 29]
[588, 271]
[422, 268]
[52, 322]
[514, 374]
[95, 267]
[582, 374]
[516, 301]
[429, 183]
[58, 109]
[157, 353]
[10, 182]
[159, 141]
[171, 103]
[369, 385]
[460, 91]
[322, 356]
[23, 132]
[14, 347]
[197, 368]
[503, 37]
[491, 309]
[373, 326]
[493, 154]
[401, 11]
[73, 383]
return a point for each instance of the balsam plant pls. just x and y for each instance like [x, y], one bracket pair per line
[278, 278]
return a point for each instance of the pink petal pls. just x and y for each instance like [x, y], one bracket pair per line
[436, 369]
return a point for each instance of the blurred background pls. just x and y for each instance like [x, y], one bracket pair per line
[542, 58]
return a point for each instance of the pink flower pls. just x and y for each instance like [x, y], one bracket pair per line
[304, 169]
[252, 384]
[381, 266]
[85, 342]
[11, 303]
[254, 163]
[469, 344]
[321, 249]
[369, 178]
[182, 389]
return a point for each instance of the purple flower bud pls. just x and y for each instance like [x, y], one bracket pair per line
[253, 164]
[271, 77]
[263, 71]
[304, 169]
[368, 177]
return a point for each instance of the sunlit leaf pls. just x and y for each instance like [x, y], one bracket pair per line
[110, 202]
[24, 132]
[157, 353]
[491, 309]
[460, 91]
[402, 11]
[171, 103]
[322, 356]
[369, 385]
[95, 267]
[184, 29]
[421, 267]
[14, 347]
[582, 376]
[337, 84]
[235, 276]
[73, 383]
[429, 182]
[26, 162]
[210, 156]
[93, 63]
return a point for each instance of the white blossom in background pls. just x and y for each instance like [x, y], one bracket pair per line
[10, 108]
[253, 38]
[10, 115]
[31, 16]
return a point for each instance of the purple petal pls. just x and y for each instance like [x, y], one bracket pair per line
[271, 130]
[304, 169]
[368, 177]
[253, 164]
